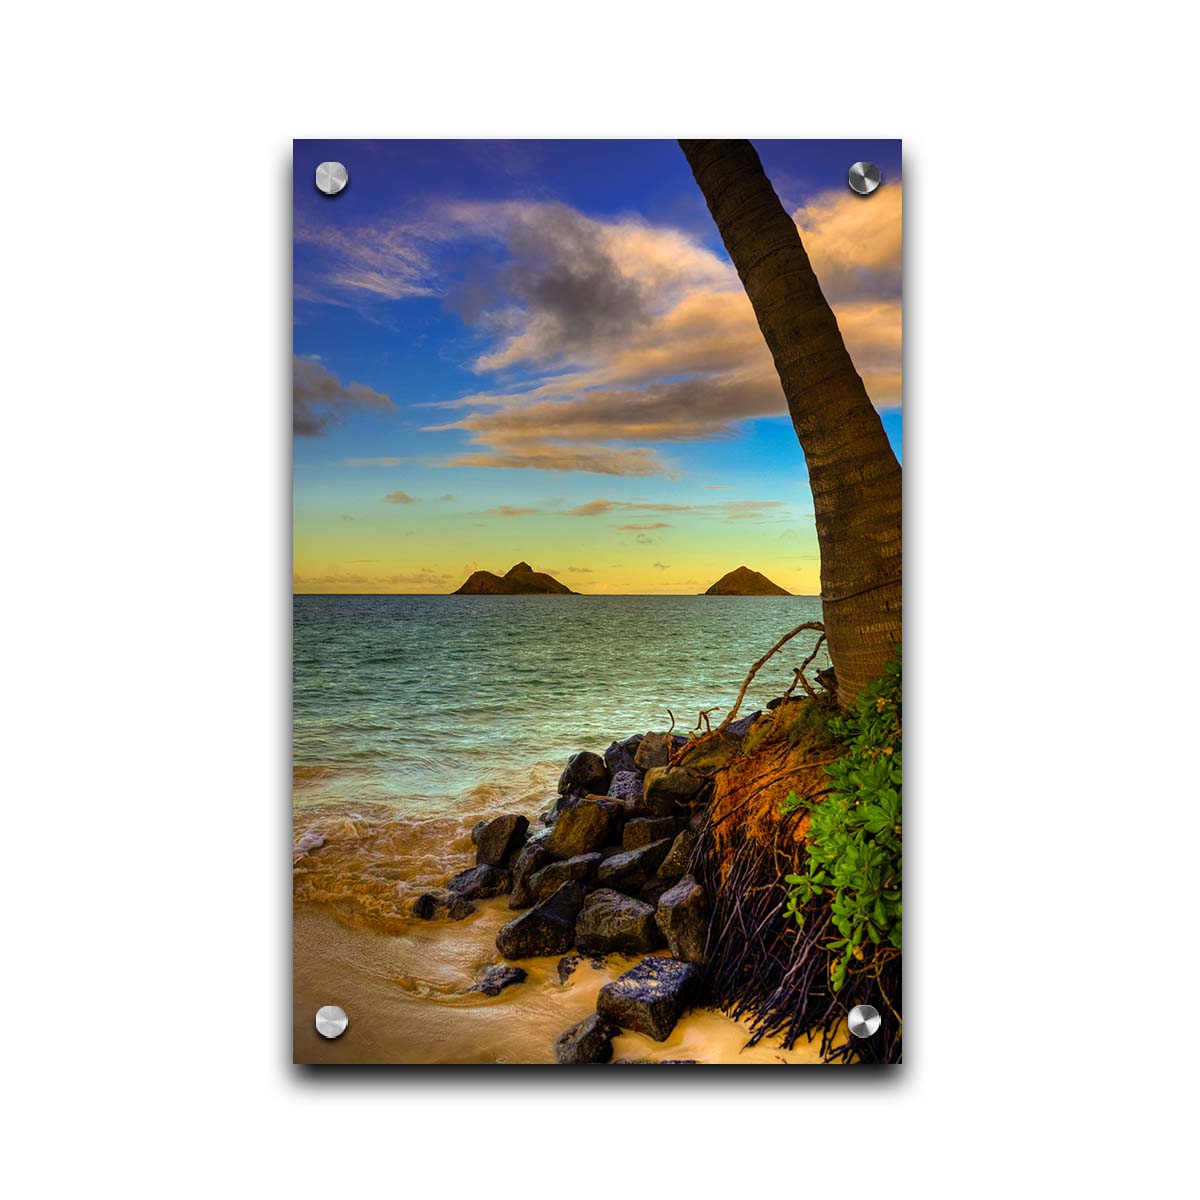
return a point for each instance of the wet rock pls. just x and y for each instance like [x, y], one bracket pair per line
[496, 978]
[588, 1042]
[667, 788]
[654, 750]
[741, 727]
[613, 923]
[566, 967]
[679, 857]
[641, 831]
[585, 772]
[548, 928]
[434, 905]
[476, 829]
[620, 756]
[532, 858]
[480, 883]
[551, 877]
[631, 869]
[682, 915]
[500, 839]
[587, 826]
[649, 997]
[626, 789]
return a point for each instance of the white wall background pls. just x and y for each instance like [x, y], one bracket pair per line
[1050, 195]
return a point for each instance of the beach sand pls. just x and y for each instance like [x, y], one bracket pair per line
[403, 995]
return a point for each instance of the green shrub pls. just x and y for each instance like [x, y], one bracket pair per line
[853, 846]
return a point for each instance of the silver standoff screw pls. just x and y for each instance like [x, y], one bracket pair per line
[332, 177]
[864, 1020]
[331, 1021]
[864, 178]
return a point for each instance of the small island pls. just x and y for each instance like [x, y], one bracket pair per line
[745, 582]
[521, 580]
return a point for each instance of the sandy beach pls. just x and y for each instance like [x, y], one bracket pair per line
[403, 995]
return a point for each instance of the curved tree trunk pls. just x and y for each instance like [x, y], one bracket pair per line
[855, 479]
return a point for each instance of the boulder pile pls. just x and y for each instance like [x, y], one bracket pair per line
[605, 870]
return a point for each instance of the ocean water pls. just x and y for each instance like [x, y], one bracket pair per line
[450, 705]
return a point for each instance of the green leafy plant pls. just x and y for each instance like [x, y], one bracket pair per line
[853, 845]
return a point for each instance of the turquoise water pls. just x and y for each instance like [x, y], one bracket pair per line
[448, 704]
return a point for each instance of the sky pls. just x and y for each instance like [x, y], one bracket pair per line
[540, 351]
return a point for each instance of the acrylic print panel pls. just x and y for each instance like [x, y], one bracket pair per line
[597, 720]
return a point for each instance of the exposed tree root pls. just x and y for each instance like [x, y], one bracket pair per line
[761, 965]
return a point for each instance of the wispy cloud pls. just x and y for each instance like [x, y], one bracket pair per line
[320, 399]
[399, 497]
[649, 525]
[376, 462]
[729, 510]
[508, 510]
[599, 460]
[383, 261]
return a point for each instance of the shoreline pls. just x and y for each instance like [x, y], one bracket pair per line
[405, 999]
[405, 981]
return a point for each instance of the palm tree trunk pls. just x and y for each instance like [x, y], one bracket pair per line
[855, 479]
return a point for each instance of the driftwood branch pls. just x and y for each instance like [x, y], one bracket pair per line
[719, 732]
[799, 676]
[783, 641]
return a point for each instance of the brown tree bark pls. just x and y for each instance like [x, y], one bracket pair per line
[855, 478]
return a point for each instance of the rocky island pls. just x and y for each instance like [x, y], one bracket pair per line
[745, 582]
[521, 580]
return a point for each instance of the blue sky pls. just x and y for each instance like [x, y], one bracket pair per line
[539, 350]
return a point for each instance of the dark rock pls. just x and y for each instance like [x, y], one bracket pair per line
[682, 916]
[496, 978]
[679, 857]
[652, 891]
[741, 727]
[479, 883]
[631, 869]
[667, 788]
[697, 819]
[828, 680]
[613, 923]
[582, 829]
[588, 1042]
[620, 756]
[549, 928]
[649, 997]
[772, 705]
[475, 831]
[500, 839]
[626, 789]
[532, 858]
[585, 772]
[442, 903]
[641, 831]
[654, 750]
[566, 967]
[550, 878]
